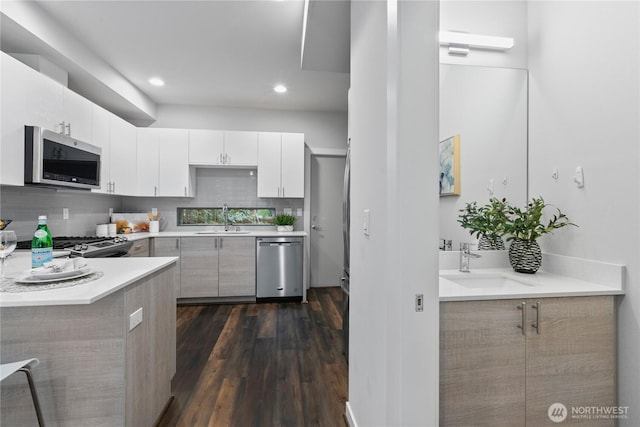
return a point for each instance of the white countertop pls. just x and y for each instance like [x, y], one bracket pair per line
[118, 273]
[215, 233]
[539, 285]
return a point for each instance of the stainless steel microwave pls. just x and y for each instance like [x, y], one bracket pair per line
[54, 159]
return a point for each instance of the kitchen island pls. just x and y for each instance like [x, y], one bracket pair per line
[106, 347]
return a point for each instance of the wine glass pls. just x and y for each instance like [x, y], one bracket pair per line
[8, 241]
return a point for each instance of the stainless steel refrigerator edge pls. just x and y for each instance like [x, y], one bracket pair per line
[344, 280]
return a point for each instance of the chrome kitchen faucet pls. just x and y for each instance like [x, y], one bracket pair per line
[225, 214]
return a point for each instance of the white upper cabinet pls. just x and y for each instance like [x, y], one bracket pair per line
[206, 147]
[18, 97]
[148, 161]
[163, 162]
[240, 148]
[280, 165]
[76, 116]
[123, 154]
[223, 148]
[101, 137]
[269, 159]
[31, 98]
[173, 156]
[293, 165]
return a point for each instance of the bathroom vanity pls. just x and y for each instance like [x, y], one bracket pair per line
[512, 345]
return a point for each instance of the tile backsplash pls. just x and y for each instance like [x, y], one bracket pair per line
[86, 210]
[238, 188]
[214, 187]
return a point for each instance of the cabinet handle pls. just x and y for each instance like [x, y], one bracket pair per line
[221, 243]
[177, 243]
[155, 190]
[113, 187]
[282, 191]
[215, 243]
[62, 126]
[537, 307]
[220, 159]
[185, 190]
[69, 129]
[523, 308]
[226, 159]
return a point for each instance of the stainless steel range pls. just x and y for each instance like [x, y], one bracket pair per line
[88, 246]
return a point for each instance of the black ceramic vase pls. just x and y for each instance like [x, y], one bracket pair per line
[486, 243]
[525, 256]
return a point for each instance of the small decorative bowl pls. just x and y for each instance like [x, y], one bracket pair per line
[4, 223]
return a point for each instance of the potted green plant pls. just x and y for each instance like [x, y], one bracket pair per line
[486, 222]
[284, 222]
[524, 227]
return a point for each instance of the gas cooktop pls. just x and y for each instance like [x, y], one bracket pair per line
[88, 246]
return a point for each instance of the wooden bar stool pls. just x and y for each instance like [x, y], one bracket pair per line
[25, 366]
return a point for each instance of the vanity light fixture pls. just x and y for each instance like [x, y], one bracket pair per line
[280, 88]
[156, 81]
[459, 43]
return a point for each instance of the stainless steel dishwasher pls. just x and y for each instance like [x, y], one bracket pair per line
[279, 267]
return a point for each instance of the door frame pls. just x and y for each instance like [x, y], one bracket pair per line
[308, 153]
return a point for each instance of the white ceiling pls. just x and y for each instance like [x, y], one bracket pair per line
[212, 53]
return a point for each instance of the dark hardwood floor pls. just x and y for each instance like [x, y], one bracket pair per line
[265, 364]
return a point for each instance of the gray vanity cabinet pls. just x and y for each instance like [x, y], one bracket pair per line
[505, 362]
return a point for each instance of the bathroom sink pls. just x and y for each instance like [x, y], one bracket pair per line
[484, 281]
[222, 232]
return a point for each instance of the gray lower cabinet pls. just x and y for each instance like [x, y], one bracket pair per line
[199, 267]
[505, 362]
[168, 246]
[139, 248]
[237, 266]
[212, 266]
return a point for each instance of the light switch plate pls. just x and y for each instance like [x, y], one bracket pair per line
[366, 224]
[65, 213]
[299, 212]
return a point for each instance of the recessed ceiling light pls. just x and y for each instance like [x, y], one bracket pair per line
[280, 88]
[156, 81]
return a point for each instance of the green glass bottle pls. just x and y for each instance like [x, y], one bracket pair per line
[41, 244]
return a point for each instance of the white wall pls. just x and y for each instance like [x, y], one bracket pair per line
[503, 18]
[321, 129]
[584, 111]
[393, 361]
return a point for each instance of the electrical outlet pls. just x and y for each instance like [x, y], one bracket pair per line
[135, 318]
[65, 213]
[419, 302]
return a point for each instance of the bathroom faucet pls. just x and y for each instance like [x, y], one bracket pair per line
[465, 255]
[225, 214]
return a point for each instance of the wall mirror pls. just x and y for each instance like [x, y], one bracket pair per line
[487, 108]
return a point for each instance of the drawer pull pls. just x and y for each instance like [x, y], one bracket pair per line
[537, 308]
[523, 308]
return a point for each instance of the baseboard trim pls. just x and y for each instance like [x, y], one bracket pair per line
[351, 419]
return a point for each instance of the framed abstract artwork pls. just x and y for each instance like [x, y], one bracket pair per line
[450, 166]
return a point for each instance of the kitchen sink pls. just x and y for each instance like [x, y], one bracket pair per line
[483, 281]
[222, 232]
